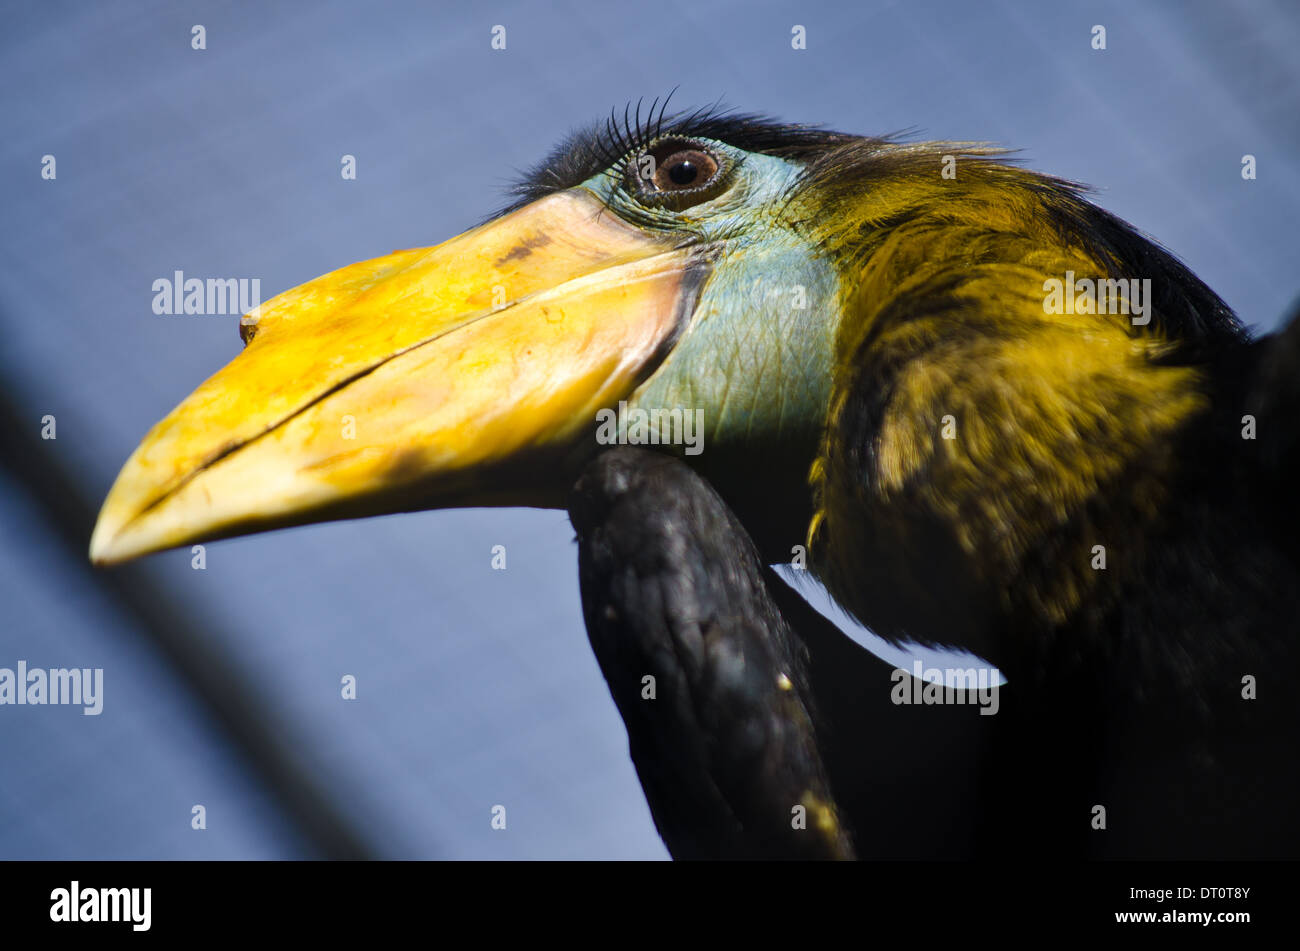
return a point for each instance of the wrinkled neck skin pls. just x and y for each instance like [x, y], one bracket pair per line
[755, 365]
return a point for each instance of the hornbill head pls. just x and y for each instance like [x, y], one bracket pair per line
[662, 265]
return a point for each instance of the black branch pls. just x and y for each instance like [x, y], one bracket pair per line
[723, 736]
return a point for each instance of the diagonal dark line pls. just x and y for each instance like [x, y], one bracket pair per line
[207, 672]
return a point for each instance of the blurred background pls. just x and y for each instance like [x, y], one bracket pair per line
[475, 687]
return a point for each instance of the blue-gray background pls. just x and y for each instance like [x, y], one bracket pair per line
[476, 687]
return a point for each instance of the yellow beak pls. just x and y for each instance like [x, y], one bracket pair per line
[466, 373]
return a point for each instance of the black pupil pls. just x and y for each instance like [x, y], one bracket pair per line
[683, 172]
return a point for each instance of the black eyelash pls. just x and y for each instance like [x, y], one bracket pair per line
[608, 145]
[618, 144]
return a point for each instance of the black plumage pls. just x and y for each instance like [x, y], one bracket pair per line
[1158, 698]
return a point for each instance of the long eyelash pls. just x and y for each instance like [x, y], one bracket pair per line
[608, 146]
[631, 135]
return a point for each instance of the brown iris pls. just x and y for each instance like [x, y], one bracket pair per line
[676, 174]
[688, 168]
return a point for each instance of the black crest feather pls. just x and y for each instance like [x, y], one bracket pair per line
[602, 145]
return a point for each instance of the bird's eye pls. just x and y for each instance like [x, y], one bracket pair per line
[676, 174]
[685, 169]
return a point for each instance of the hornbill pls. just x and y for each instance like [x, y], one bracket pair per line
[723, 343]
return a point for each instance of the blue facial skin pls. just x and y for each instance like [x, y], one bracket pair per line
[756, 356]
